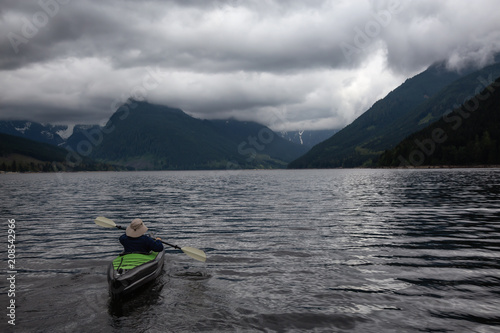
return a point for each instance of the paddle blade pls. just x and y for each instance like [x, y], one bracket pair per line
[195, 253]
[104, 222]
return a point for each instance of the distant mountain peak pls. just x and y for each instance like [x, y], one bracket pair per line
[32, 130]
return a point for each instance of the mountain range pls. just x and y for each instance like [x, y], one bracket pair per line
[34, 131]
[149, 136]
[415, 104]
[145, 136]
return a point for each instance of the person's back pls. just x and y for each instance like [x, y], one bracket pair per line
[135, 241]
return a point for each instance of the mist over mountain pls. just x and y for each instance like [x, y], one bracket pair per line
[408, 108]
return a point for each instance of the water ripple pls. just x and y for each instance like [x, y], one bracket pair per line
[288, 251]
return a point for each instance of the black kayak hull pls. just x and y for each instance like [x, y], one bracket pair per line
[123, 282]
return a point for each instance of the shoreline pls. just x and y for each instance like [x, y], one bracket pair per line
[493, 166]
[426, 167]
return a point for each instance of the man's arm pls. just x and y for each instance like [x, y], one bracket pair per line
[156, 245]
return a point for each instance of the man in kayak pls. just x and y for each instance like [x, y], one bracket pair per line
[135, 241]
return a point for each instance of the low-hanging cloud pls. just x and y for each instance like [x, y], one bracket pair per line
[318, 64]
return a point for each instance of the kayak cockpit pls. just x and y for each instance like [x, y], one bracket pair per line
[129, 271]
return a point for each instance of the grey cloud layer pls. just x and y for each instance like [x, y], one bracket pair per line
[319, 63]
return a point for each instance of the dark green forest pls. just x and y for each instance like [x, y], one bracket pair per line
[468, 136]
[24, 155]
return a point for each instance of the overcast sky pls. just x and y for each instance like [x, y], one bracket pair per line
[287, 64]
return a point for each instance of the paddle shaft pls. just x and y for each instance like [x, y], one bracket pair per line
[174, 246]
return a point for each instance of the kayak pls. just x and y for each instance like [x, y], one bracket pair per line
[130, 271]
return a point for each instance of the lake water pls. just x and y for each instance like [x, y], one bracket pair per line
[288, 251]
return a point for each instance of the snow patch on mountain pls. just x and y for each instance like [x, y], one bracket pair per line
[66, 133]
[26, 127]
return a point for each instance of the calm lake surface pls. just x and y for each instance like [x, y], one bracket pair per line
[288, 251]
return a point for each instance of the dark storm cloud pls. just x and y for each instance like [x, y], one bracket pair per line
[315, 63]
[216, 36]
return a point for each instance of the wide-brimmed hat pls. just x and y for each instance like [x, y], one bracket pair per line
[136, 228]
